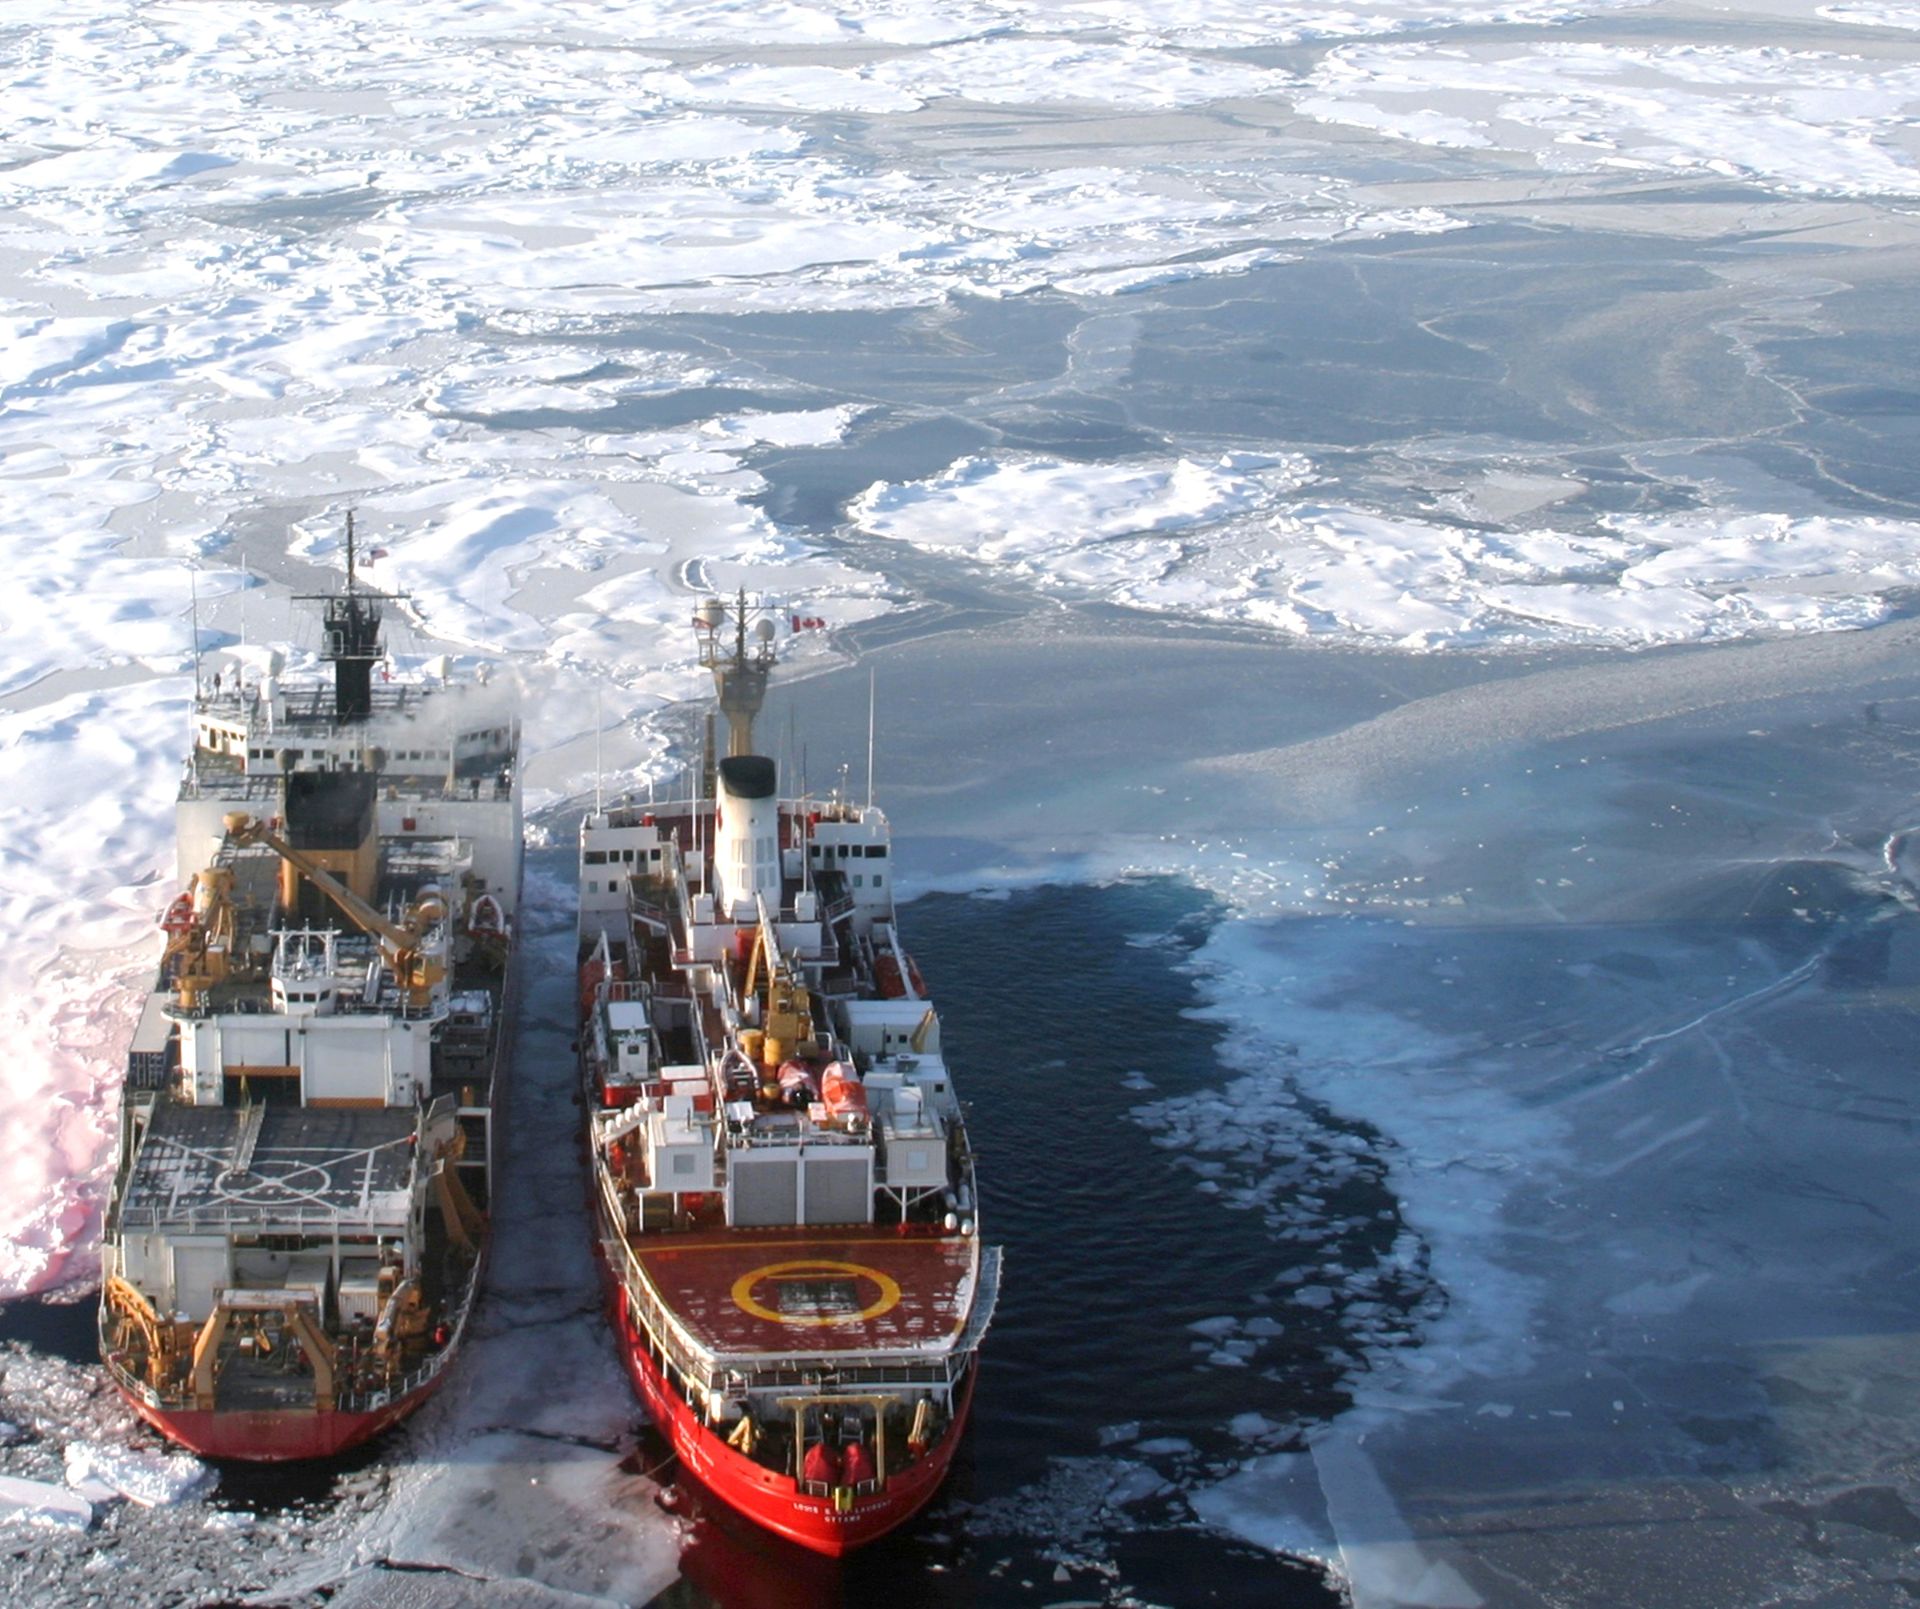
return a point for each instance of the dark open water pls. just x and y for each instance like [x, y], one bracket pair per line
[1054, 1000]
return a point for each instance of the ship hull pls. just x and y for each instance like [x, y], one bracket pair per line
[278, 1437]
[764, 1496]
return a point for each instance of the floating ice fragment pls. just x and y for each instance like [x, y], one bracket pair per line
[1115, 1435]
[1226, 1324]
[153, 1480]
[38, 1503]
[1251, 1426]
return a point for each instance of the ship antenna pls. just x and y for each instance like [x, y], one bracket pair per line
[350, 559]
[597, 772]
[193, 594]
[870, 693]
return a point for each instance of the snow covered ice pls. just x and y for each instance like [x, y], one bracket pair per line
[1434, 476]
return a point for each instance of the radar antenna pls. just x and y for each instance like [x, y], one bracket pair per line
[351, 644]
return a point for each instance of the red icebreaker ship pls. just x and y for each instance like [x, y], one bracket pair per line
[783, 1185]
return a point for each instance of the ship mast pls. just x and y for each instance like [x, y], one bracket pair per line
[740, 668]
[352, 638]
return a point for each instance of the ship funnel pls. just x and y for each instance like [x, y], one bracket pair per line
[747, 843]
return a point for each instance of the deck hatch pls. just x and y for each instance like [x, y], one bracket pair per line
[821, 1295]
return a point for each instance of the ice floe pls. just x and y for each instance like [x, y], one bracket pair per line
[151, 1479]
[1225, 541]
[1802, 121]
[42, 1503]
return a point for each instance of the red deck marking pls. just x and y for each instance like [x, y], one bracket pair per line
[904, 1293]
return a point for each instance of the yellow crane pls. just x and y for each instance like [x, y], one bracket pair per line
[787, 1017]
[200, 936]
[400, 942]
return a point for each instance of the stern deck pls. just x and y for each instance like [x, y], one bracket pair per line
[786, 1293]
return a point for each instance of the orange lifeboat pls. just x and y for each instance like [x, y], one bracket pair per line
[178, 920]
[841, 1089]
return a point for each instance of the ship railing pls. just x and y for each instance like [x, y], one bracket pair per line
[225, 783]
[130, 1382]
[826, 1489]
[829, 1383]
[414, 1379]
[686, 1356]
[646, 910]
[290, 1220]
[807, 1132]
[986, 1297]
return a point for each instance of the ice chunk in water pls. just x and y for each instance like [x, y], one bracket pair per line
[38, 1503]
[154, 1480]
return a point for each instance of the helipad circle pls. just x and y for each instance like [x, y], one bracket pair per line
[744, 1300]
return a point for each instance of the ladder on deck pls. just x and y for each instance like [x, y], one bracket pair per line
[247, 1135]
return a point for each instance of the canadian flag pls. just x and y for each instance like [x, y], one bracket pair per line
[808, 623]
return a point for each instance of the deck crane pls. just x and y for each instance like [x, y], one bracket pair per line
[401, 943]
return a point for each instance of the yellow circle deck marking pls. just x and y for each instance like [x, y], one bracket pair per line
[743, 1291]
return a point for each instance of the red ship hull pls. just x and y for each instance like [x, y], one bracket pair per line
[275, 1437]
[767, 1497]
